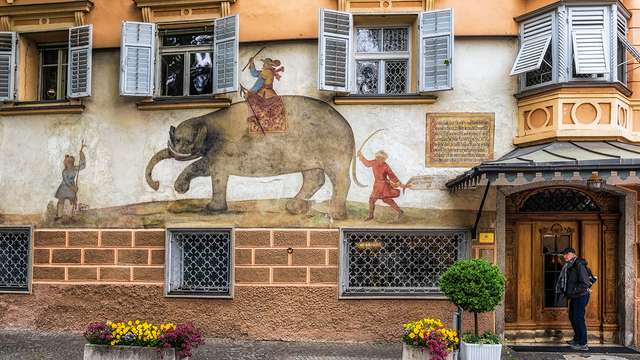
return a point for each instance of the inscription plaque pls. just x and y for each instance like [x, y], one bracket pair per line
[459, 139]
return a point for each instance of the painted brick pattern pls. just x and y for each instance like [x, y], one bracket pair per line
[286, 257]
[263, 257]
[98, 256]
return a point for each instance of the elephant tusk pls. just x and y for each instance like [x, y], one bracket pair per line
[176, 154]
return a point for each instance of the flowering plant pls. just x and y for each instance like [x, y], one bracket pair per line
[431, 334]
[182, 337]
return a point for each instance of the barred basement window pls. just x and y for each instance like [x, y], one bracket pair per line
[199, 263]
[398, 263]
[15, 259]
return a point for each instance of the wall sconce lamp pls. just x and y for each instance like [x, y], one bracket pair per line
[595, 182]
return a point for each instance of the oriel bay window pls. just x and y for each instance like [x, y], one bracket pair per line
[573, 43]
[187, 62]
[392, 55]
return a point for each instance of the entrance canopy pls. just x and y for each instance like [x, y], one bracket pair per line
[617, 163]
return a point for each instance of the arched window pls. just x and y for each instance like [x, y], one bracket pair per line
[559, 199]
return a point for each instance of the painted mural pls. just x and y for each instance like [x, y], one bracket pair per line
[210, 168]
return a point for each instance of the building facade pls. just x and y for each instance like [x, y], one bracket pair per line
[306, 170]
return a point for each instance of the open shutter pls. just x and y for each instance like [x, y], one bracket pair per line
[226, 48]
[7, 65]
[137, 58]
[334, 50]
[535, 38]
[436, 50]
[589, 36]
[79, 73]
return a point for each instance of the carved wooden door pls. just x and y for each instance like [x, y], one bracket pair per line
[550, 238]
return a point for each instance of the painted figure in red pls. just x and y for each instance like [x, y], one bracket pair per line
[386, 183]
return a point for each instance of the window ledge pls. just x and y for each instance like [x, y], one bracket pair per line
[42, 107]
[409, 99]
[623, 89]
[185, 103]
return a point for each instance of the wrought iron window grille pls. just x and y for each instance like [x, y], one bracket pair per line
[559, 199]
[16, 246]
[398, 263]
[199, 263]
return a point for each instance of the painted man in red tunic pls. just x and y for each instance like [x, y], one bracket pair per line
[386, 183]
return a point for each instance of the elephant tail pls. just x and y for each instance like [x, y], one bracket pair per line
[159, 156]
[354, 160]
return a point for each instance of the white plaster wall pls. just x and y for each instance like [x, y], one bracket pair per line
[121, 139]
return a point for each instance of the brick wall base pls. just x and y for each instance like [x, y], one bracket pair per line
[262, 313]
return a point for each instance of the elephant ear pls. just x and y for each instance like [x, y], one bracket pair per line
[200, 138]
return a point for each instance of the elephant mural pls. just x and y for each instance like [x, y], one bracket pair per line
[318, 142]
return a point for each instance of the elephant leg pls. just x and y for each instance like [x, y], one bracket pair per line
[196, 169]
[312, 181]
[341, 182]
[219, 191]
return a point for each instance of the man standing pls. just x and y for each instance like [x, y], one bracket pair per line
[386, 183]
[574, 283]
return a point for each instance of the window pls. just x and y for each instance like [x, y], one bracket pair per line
[15, 259]
[193, 62]
[52, 65]
[199, 263]
[572, 44]
[186, 63]
[53, 73]
[391, 263]
[382, 60]
[382, 56]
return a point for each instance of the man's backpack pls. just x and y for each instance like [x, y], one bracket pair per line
[592, 278]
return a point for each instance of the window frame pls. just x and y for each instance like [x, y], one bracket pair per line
[382, 57]
[554, 46]
[185, 51]
[62, 49]
[29, 288]
[607, 45]
[343, 271]
[169, 265]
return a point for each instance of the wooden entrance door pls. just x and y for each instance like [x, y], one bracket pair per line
[538, 261]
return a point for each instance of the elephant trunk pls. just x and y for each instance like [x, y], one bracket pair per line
[159, 156]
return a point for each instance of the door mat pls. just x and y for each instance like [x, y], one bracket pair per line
[567, 349]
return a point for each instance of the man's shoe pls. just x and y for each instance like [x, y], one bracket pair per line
[572, 343]
[580, 347]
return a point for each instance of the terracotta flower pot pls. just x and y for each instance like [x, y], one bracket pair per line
[105, 352]
[416, 353]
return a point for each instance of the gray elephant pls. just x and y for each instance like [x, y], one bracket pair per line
[319, 142]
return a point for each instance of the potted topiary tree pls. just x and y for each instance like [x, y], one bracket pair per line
[477, 286]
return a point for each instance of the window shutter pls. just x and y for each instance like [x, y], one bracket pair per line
[334, 50]
[535, 38]
[79, 60]
[137, 58]
[589, 40]
[436, 50]
[7, 65]
[226, 51]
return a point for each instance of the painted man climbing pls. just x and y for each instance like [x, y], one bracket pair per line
[386, 183]
[269, 113]
[68, 189]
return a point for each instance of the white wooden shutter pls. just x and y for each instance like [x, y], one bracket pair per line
[334, 50]
[137, 58]
[535, 38]
[589, 40]
[7, 65]
[436, 50]
[226, 49]
[79, 60]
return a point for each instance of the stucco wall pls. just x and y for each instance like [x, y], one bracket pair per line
[121, 139]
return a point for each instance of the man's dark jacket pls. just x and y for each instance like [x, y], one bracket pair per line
[577, 279]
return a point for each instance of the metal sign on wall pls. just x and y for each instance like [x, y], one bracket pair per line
[459, 139]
